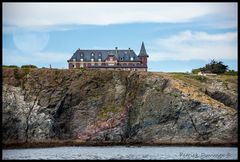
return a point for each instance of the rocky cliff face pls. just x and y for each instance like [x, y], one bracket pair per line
[117, 107]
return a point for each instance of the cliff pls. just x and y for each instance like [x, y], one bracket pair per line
[117, 107]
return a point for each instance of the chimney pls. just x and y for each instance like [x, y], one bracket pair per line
[129, 50]
[116, 48]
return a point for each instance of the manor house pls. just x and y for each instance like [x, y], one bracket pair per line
[110, 59]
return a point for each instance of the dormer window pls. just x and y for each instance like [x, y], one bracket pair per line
[74, 60]
[131, 58]
[92, 54]
[99, 54]
[99, 60]
[81, 59]
[92, 59]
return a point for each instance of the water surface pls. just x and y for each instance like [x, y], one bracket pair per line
[122, 152]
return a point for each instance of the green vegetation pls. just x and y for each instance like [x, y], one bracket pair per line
[228, 78]
[197, 77]
[231, 72]
[173, 94]
[17, 75]
[15, 66]
[196, 71]
[28, 66]
[191, 79]
[180, 76]
[229, 81]
[213, 67]
[26, 71]
[179, 73]
[20, 74]
[107, 111]
[82, 69]
[225, 84]
[10, 66]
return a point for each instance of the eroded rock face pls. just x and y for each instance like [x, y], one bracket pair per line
[119, 107]
[223, 92]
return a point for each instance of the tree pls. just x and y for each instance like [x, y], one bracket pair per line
[213, 67]
[216, 67]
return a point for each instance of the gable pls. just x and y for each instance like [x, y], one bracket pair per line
[111, 58]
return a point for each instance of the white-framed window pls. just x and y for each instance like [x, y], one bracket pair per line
[131, 58]
[92, 59]
[99, 60]
[74, 60]
[81, 59]
[81, 65]
[92, 64]
[111, 64]
[92, 54]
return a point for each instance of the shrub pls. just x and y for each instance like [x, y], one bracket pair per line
[231, 72]
[20, 74]
[10, 66]
[28, 66]
[200, 78]
[195, 71]
[17, 75]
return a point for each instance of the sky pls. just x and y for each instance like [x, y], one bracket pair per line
[178, 37]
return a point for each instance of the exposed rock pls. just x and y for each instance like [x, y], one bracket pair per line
[116, 107]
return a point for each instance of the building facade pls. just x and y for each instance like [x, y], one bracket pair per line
[110, 59]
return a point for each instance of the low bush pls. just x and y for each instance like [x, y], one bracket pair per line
[28, 66]
[231, 72]
[10, 66]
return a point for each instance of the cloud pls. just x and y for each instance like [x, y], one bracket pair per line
[190, 45]
[52, 14]
[14, 57]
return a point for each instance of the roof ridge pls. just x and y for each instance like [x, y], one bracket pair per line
[105, 49]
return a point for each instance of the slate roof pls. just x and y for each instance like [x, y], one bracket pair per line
[143, 51]
[121, 55]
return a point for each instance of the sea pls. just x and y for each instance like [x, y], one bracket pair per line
[122, 153]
